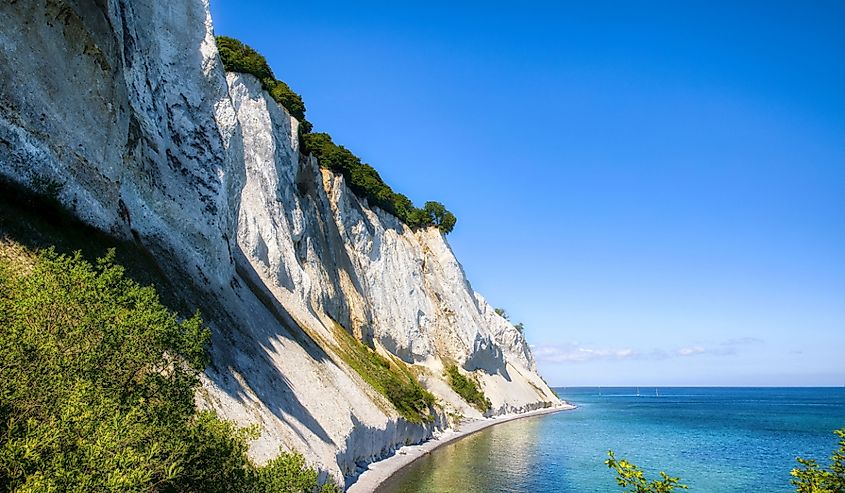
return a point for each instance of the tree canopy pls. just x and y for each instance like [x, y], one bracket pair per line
[97, 383]
[239, 57]
[365, 182]
[438, 215]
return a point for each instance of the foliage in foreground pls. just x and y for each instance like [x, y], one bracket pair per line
[392, 380]
[810, 478]
[362, 178]
[633, 480]
[813, 479]
[288, 473]
[97, 382]
[467, 388]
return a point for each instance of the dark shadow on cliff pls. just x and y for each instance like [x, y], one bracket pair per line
[38, 221]
[253, 339]
[362, 433]
[330, 243]
[487, 357]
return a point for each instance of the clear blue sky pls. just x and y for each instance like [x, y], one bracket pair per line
[656, 189]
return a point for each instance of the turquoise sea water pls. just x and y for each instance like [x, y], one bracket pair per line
[716, 439]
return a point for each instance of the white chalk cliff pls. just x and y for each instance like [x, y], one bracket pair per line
[125, 105]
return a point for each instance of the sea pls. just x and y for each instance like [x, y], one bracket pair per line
[717, 440]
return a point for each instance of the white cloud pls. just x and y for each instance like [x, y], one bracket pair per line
[578, 353]
[574, 353]
[690, 351]
[724, 348]
[742, 341]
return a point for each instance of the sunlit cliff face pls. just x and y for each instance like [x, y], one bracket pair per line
[125, 111]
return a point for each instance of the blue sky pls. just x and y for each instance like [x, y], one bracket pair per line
[656, 189]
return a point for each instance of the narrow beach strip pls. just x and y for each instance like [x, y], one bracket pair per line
[378, 472]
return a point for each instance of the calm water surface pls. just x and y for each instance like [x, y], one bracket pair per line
[716, 439]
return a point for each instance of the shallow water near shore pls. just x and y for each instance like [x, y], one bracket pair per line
[716, 439]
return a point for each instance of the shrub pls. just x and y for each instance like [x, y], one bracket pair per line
[238, 57]
[289, 473]
[468, 389]
[97, 382]
[812, 479]
[437, 215]
[630, 476]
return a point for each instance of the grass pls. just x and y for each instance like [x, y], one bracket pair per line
[468, 389]
[390, 378]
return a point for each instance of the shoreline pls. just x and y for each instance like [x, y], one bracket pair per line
[380, 471]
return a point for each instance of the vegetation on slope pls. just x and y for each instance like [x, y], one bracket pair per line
[393, 380]
[365, 181]
[362, 178]
[238, 57]
[504, 314]
[810, 478]
[97, 382]
[468, 389]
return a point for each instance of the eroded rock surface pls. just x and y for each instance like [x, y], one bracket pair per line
[123, 110]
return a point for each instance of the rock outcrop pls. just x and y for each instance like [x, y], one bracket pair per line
[122, 109]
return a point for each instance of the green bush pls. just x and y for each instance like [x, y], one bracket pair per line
[437, 215]
[811, 478]
[97, 382]
[288, 473]
[467, 388]
[238, 57]
[392, 380]
[633, 479]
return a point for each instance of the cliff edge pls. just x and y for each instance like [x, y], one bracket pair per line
[123, 111]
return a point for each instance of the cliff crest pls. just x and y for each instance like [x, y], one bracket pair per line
[124, 111]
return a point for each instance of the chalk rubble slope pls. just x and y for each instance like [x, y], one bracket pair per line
[123, 110]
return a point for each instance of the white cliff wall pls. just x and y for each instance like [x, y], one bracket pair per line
[125, 105]
[115, 102]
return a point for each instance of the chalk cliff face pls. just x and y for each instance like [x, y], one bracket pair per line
[122, 108]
